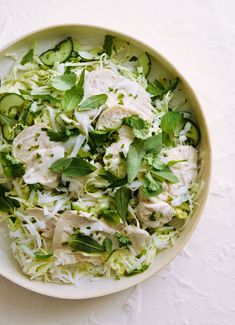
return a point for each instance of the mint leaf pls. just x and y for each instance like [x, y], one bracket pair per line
[84, 243]
[153, 144]
[64, 82]
[28, 57]
[151, 186]
[72, 167]
[172, 122]
[122, 197]
[108, 44]
[137, 151]
[139, 126]
[73, 96]
[93, 102]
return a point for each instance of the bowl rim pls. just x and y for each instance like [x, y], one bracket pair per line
[168, 64]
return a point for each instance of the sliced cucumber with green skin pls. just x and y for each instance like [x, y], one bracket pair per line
[193, 135]
[10, 104]
[60, 53]
[145, 63]
[8, 133]
[90, 55]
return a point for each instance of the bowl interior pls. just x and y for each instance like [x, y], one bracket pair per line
[88, 287]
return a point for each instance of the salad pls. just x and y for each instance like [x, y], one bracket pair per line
[99, 161]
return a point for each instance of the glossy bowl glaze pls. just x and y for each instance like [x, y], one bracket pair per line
[88, 288]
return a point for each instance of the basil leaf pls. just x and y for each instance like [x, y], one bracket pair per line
[93, 102]
[153, 144]
[4, 119]
[73, 96]
[108, 245]
[110, 216]
[134, 159]
[85, 243]
[122, 197]
[64, 82]
[60, 165]
[72, 167]
[108, 44]
[166, 174]
[172, 122]
[28, 57]
[61, 136]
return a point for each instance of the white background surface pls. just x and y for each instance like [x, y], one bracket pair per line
[199, 286]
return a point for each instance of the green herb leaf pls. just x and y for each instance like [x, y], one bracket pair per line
[108, 44]
[158, 90]
[153, 144]
[63, 135]
[122, 198]
[84, 243]
[139, 126]
[151, 186]
[174, 162]
[73, 96]
[134, 159]
[4, 119]
[11, 167]
[124, 241]
[98, 138]
[108, 245]
[172, 122]
[6, 204]
[110, 216]
[64, 82]
[93, 102]
[28, 57]
[166, 174]
[72, 167]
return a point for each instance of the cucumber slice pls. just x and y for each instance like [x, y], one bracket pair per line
[10, 103]
[193, 135]
[8, 133]
[145, 63]
[60, 53]
[91, 55]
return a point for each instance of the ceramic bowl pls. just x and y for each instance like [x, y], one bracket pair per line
[88, 288]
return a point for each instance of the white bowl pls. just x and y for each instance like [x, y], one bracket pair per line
[87, 287]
